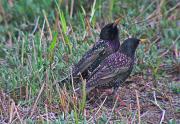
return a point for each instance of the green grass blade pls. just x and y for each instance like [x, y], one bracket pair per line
[64, 27]
[52, 47]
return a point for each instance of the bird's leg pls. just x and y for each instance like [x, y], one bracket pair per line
[122, 103]
[116, 87]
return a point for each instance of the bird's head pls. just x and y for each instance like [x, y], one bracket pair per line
[110, 31]
[129, 45]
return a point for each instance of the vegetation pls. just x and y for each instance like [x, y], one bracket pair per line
[41, 39]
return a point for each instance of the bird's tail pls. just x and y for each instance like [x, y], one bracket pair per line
[69, 80]
[66, 80]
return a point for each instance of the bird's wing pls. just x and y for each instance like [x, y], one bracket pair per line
[114, 65]
[89, 57]
[113, 73]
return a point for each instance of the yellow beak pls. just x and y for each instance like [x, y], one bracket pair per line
[116, 22]
[143, 41]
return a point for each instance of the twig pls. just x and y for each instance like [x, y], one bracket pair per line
[16, 110]
[36, 25]
[173, 8]
[35, 104]
[42, 31]
[72, 80]
[72, 6]
[47, 22]
[138, 106]
[156, 103]
[134, 117]
[11, 113]
[112, 111]
[170, 47]
[46, 115]
[149, 6]
[98, 110]
[145, 113]
[60, 29]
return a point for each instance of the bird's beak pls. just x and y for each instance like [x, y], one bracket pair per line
[116, 22]
[142, 41]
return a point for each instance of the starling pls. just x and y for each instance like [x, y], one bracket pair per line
[106, 45]
[114, 69]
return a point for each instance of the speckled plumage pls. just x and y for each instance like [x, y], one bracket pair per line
[108, 44]
[115, 69]
[94, 56]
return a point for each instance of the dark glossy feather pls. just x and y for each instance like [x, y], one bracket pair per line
[108, 44]
[114, 66]
[93, 57]
[114, 69]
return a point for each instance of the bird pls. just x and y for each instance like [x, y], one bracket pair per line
[114, 69]
[107, 44]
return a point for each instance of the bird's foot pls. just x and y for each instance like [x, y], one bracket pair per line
[122, 103]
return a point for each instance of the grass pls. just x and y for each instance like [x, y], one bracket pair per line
[39, 44]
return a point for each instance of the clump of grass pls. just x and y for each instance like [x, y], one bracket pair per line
[175, 86]
[64, 28]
